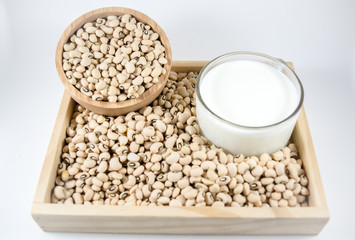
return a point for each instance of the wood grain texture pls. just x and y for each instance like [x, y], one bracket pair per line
[108, 108]
[54, 151]
[178, 220]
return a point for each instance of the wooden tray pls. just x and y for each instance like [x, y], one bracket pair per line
[178, 220]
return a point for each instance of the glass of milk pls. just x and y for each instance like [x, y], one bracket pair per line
[248, 102]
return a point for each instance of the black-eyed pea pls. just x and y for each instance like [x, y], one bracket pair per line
[270, 187]
[280, 168]
[138, 171]
[146, 190]
[134, 147]
[209, 199]
[266, 180]
[156, 167]
[59, 192]
[173, 158]
[214, 188]
[263, 198]
[185, 150]
[304, 191]
[65, 176]
[246, 189]
[196, 171]
[185, 160]
[279, 188]
[170, 142]
[176, 192]
[238, 189]
[72, 170]
[248, 177]
[212, 175]
[189, 193]
[156, 147]
[281, 179]
[78, 198]
[155, 194]
[194, 180]
[88, 195]
[300, 198]
[176, 167]
[254, 197]
[211, 154]
[167, 192]
[224, 197]
[78, 139]
[103, 147]
[276, 196]
[291, 184]
[158, 185]
[252, 162]
[270, 173]
[102, 167]
[175, 203]
[292, 201]
[242, 167]
[146, 72]
[140, 125]
[133, 157]
[257, 171]
[97, 181]
[95, 188]
[206, 165]
[224, 180]
[201, 155]
[151, 178]
[182, 183]
[287, 194]
[222, 170]
[169, 130]
[233, 183]
[200, 197]
[270, 164]
[69, 200]
[176, 177]
[303, 180]
[163, 200]
[278, 156]
[89, 163]
[293, 147]
[273, 203]
[153, 158]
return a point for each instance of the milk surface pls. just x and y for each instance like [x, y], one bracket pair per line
[248, 93]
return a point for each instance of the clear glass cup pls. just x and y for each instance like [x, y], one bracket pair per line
[248, 140]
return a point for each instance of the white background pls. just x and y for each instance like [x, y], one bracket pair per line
[318, 36]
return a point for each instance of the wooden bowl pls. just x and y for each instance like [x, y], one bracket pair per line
[103, 107]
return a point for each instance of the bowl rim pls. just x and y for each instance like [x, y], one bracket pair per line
[279, 62]
[104, 12]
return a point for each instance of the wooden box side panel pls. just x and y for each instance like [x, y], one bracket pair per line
[303, 140]
[54, 151]
[179, 220]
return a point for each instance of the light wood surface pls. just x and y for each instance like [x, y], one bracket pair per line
[180, 220]
[108, 108]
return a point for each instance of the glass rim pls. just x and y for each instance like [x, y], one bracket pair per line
[279, 61]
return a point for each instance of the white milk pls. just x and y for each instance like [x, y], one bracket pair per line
[250, 96]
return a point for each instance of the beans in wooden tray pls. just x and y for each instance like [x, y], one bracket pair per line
[156, 156]
[114, 59]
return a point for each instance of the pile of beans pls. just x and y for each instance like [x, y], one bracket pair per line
[113, 59]
[155, 156]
